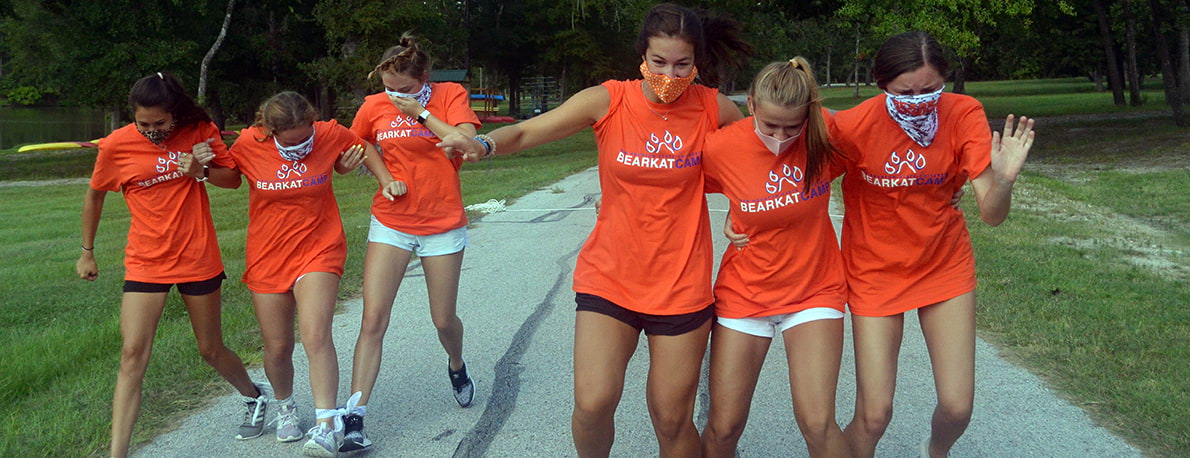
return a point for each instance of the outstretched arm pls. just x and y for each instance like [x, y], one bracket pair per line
[577, 113]
[993, 187]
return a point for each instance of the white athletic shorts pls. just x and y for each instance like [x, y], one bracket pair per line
[769, 326]
[449, 242]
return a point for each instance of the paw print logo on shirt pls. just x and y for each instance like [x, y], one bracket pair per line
[293, 168]
[671, 142]
[403, 121]
[895, 165]
[791, 175]
[164, 161]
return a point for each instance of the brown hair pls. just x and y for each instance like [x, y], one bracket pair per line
[718, 48]
[907, 52]
[284, 111]
[791, 84]
[406, 58]
[162, 90]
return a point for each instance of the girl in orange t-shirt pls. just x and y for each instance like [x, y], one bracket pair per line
[296, 248]
[904, 246]
[159, 163]
[406, 120]
[647, 264]
[776, 167]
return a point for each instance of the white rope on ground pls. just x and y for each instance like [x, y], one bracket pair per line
[491, 206]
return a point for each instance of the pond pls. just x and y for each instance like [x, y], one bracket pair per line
[21, 125]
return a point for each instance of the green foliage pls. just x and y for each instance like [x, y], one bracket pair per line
[24, 95]
[954, 23]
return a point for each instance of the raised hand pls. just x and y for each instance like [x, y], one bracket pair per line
[1010, 149]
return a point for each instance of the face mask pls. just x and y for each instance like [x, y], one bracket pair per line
[916, 114]
[667, 89]
[158, 136]
[422, 96]
[774, 145]
[296, 152]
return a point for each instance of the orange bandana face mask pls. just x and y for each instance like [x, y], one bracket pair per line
[667, 89]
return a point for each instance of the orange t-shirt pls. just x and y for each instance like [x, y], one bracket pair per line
[294, 226]
[904, 245]
[650, 251]
[792, 260]
[171, 238]
[434, 203]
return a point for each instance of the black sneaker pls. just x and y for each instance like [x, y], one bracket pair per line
[464, 387]
[354, 439]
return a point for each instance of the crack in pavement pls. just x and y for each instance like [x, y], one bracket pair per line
[506, 387]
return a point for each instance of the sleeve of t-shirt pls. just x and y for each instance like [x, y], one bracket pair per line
[976, 147]
[848, 156]
[615, 92]
[239, 148]
[343, 138]
[222, 159]
[458, 108]
[361, 126]
[106, 175]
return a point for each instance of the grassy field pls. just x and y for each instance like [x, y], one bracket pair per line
[1084, 284]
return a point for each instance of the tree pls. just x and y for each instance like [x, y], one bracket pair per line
[957, 24]
[206, 60]
[1109, 51]
[1175, 84]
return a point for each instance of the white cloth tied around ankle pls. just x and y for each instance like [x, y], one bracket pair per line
[337, 414]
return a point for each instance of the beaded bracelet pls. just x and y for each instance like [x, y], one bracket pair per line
[488, 143]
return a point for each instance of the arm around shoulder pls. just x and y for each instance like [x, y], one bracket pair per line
[578, 112]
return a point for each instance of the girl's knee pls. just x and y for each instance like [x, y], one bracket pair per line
[723, 431]
[874, 419]
[955, 413]
[816, 428]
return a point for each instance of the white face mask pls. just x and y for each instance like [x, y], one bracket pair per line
[296, 152]
[422, 96]
[776, 146]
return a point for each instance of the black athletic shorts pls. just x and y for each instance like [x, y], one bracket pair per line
[193, 288]
[654, 325]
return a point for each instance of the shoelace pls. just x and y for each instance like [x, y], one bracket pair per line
[252, 410]
[285, 416]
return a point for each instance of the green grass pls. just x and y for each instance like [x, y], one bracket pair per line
[1085, 284]
[1033, 98]
[61, 334]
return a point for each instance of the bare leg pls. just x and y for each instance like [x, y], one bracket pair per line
[206, 320]
[674, 366]
[442, 283]
[736, 359]
[274, 313]
[384, 269]
[602, 347]
[814, 351]
[877, 344]
[949, 330]
[139, 315]
[315, 294]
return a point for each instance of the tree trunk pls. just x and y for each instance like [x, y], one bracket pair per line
[1132, 72]
[828, 67]
[856, 71]
[113, 116]
[1183, 57]
[960, 75]
[1173, 96]
[1109, 51]
[514, 93]
[206, 60]
[215, 109]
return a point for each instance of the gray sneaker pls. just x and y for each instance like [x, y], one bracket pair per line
[287, 423]
[324, 441]
[463, 385]
[254, 411]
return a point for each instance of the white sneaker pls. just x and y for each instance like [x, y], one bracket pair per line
[288, 429]
[324, 441]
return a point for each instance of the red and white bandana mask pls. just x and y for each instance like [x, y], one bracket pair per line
[667, 89]
[916, 114]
